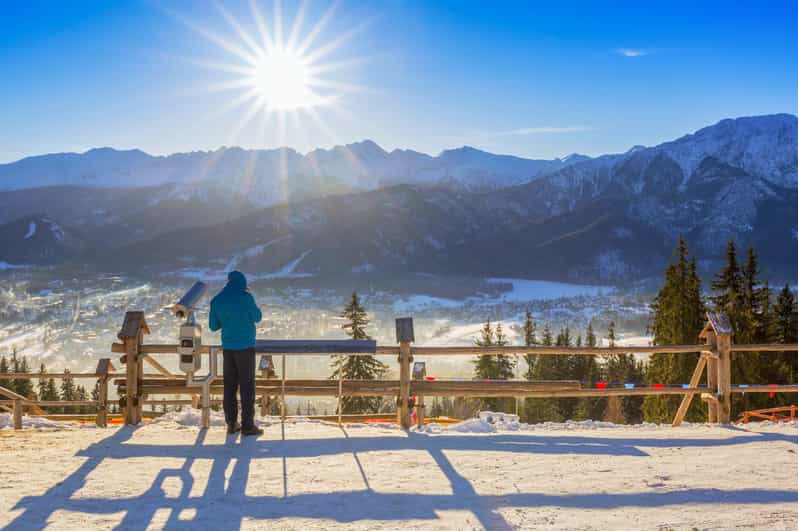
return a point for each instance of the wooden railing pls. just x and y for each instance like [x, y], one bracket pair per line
[17, 403]
[137, 387]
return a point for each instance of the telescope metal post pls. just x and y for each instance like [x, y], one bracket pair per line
[282, 393]
[340, 395]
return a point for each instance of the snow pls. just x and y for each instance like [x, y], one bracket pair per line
[316, 475]
[7, 423]
[418, 302]
[31, 230]
[530, 290]
[288, 270]
[252, 252]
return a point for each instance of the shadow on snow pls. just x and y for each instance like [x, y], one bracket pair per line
[230, 504]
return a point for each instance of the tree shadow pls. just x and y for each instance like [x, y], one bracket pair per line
[225, 500]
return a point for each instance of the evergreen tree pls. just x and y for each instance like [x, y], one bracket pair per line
[499, 367]
[530, 339]
[678, 314]
[47, 389]
[68, 391]
[590, 336]
[5, 369]
[82, 395]
[365, 367]
[727, 285]
[786, 331]
[551, 368]
[621, 369]
[23, 387]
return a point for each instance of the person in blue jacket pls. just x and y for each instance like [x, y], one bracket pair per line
[233, 310]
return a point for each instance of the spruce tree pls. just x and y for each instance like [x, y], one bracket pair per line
[621, 369]
[68, 391]
[542, 409]
[23, 387]
[786, 331]
[499, 367]
[81, 395]
[365, 367]
[727, 285]
[5, 369]
[677, 315]
[530, 339]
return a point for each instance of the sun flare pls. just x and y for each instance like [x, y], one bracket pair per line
[281, 80]
[279, 73]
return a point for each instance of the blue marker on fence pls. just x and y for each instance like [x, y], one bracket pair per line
[629, 385]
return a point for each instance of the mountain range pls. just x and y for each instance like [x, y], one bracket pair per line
[358, 209]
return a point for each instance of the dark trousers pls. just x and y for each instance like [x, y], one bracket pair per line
[239, 374]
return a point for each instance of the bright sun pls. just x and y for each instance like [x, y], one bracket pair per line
[281, 80]
[280, 73]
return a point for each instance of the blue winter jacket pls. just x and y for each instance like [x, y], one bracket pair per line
[235, 312]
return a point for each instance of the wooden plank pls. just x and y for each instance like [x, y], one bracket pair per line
[447, 351]
[102, 403]
[133, 325]
[158, 367]
[688, 399]
[55, 376]
[132, 382]
[402, 408]
[555, 351]
[712, 372]
[765, 347]
[17, 414]
[404, 330]
[720, 323]
[724, 378]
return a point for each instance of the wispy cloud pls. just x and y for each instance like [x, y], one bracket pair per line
[631, 52]
[543, 130]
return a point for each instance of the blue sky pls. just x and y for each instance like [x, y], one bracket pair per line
[535, 79]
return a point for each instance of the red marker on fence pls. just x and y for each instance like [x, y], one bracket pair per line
[601, 385]
[772, 394]
[659, 386]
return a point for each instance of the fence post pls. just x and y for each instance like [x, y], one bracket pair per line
[405, 336]
[712, 377]
[103, 367]
[17, 414]
[132, 333]
[724, 378]
[717, 332]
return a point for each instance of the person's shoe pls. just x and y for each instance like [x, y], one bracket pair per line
[253, 430]
[233, 428]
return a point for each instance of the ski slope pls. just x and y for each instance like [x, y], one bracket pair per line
[315, 475]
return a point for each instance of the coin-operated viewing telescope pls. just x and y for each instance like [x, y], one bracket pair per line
[189, 348]
[190, 341]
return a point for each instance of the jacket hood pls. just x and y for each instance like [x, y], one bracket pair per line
[236, 280]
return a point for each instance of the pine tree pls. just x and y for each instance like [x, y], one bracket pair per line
[550, 368]
[47, 388]
[786, 331]
[727, 285]
[677, 314]
[23, 387]
[499, 367]
[5, 369]
[68, 391]
[622, 369]
[81, 395]
[365, 367]
[530, 339]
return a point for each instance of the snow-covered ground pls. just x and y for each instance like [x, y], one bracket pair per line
[314, 475]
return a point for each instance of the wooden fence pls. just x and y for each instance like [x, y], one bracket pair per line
[136, 386]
